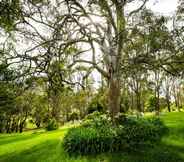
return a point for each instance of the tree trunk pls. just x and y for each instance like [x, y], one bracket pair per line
[157, 97]
[175, 97]
[114, 96]
[158, 104]
[168, 106]
[132, 101]
[157, 92]
[179, 100]
[38, 123]
[167, 96]
[138, 99]
[168, 102]
[21, 127]
[8, 126]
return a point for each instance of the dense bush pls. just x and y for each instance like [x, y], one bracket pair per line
[98, 134]
[152, 103]
[85, 140]
[97, 120]
[98, 102]
[94, 105]
[73, 116]
[52, 125]
[136, 132]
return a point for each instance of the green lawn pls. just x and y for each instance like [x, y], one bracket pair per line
[41, 146]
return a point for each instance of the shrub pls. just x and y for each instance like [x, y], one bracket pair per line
[97, 120]
[73, 116]
[88, 140]
[52, 125]
[97, 103]
[94, 106]
[137, 132]
[98, 134]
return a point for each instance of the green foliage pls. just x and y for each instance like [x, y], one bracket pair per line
[94, 106]
[52, 125]
[138, 132]
[151, 103]
[98, 134]
[39, 112]
[125, 103]
[8, 94]
[74, 116]
[88, 140]
[95, 135]
[97, 120]
[97, 103]
[10, 12]
[43, 146]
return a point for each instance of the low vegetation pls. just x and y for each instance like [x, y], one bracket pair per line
[99, 134]
[41, 146]
[51, 125]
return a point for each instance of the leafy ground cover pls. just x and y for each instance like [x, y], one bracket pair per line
[42, 146]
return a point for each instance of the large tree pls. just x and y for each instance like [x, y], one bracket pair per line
[92, 32]
[104, 26]
[88, 34]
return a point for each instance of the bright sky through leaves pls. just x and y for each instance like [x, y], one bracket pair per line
[166, 7]
[163, 6]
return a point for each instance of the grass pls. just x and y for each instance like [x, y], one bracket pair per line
[41, 146]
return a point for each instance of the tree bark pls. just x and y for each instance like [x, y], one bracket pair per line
[157, 102]
[168, 102]
[114, 96]
[138, 99]
[157, 92]
[168, 106]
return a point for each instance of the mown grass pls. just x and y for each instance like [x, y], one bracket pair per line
[41, 146]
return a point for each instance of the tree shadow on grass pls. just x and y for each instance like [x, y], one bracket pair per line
[47, 151]
[178, 132]
[16, 138]
[33, 154]
[159, 153]
[162, 152]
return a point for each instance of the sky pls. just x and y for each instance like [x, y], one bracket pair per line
[165, 7]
